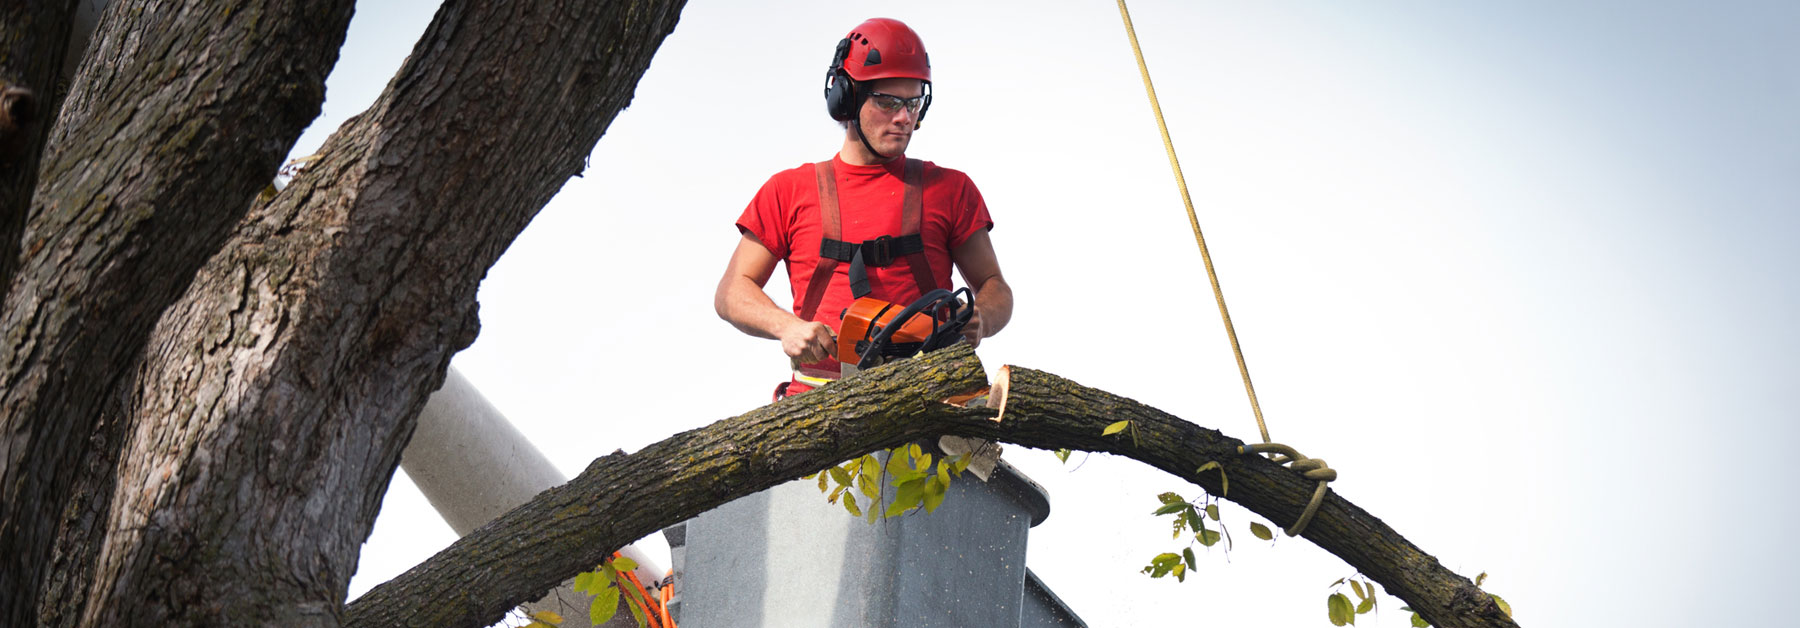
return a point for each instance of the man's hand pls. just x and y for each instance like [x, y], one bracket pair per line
[807, 342]
[971, 330]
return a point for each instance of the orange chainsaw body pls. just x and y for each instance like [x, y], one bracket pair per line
[866, 316]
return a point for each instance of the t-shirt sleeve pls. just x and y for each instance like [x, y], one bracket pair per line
[766, 218]
[971, 214]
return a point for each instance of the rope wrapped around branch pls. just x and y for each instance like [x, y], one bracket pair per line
[1309, 468]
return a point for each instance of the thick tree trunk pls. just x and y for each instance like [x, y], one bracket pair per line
[33, 37]
[287, 379]
[154, 155]
[621, 498]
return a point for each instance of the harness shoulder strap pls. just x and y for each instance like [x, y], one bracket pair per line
[911, 215]
[832, 230]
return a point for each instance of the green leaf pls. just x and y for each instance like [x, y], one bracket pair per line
[1504, 607]
[840, 475]
[962, 463]
[909, 496]
[850, 505]
[1419, 622]
[1337, 607]
[823, 478]
[1187, 554]
[606, 604]
[934, 493]
[1366, 605]
[1261, 531]
[1180, 572]
[1169, 508]
[584, 580]
[1207, 537]
[1480, 578]
[913, 451]
[871, 471]
[1212, 511]
[868, 487]
[1224, 482]
[906, 475]
[624, 564]
[547, 617]
[896, 464]
[1115, 428]
[636, 612]
[1170, 498]
[1063, 455]
[943, 474]
[1358, 588]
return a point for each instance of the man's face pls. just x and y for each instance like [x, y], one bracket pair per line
[890, 131]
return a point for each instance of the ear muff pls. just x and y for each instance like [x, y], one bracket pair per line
[840, 90]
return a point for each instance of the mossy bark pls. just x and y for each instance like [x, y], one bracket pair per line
[621, 498]
[1047, 411]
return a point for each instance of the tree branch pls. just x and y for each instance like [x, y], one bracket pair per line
[622, 498]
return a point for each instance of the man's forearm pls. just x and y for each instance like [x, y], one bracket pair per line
[994, 300]
[743, 304]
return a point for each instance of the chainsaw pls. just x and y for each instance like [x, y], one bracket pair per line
[874, 332]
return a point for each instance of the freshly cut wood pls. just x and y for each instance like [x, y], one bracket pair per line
[621, 498]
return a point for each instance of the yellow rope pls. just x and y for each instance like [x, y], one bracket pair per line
[1309, 468]
[1218, 294]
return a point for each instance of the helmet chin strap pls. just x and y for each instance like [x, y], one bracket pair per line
[857, 122]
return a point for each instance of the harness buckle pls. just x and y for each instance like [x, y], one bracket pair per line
[879, 251]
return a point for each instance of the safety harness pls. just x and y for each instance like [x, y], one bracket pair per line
[878, 252]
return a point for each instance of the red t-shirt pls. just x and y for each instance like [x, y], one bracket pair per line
[785, 217]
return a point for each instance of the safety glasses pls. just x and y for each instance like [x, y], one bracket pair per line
[889, 103]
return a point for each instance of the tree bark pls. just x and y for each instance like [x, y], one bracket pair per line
[154, 155]
[621, 498]
[288, 377]
[1046, 411]
[34, 35]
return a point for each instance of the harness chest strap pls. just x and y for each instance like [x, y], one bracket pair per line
[884, 250]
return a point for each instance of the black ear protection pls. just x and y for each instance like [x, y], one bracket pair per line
[840, 90]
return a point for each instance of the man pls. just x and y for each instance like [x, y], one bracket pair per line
[908, 221]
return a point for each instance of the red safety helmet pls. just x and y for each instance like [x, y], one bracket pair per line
[885, 48]
[877, 49]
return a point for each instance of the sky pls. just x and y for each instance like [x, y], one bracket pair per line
[1519, 271]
